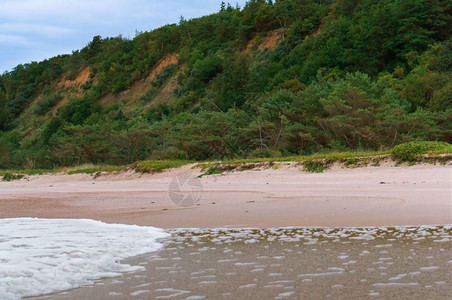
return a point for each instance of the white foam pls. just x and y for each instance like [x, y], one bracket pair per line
[139, 292]
[245, 264]
[319, 274]
[286, 294]
[401, 284]
[114, 294]
[171, 290]
[247, 286]
[40, 256]
[429, 268]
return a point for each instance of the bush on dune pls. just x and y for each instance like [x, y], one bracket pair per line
[414, 150]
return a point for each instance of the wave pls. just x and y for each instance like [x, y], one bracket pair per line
[41, 256]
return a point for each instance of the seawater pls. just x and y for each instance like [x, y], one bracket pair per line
[409, 262]
[39, 256]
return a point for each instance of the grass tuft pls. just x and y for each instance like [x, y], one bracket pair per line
[11, 176]
[92, 169]
[316, 165]
[213, 170]
[154, 166]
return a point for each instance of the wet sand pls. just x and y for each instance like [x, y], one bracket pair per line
[371, 196]
[288, 263]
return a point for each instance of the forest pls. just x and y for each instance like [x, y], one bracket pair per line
[274, 78]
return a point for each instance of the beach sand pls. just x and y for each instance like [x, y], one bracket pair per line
[279, 263]
[369, 196]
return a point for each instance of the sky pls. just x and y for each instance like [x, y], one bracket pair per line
[33, 30]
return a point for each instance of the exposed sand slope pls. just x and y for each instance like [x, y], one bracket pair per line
[140, 87]
[285, 197]
[269, 41]
[81, 79]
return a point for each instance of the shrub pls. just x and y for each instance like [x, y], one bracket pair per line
[77, 110]
[87, 85]
[207, 68]
[47, 103]
[166, 73]
[412, 151]
[12, 176]
[51, 128]
[316, 166]
[214, 170]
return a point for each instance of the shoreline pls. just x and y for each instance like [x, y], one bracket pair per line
[283, 263]
[283, 197]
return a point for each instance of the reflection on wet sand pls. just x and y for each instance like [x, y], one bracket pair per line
[289, 263]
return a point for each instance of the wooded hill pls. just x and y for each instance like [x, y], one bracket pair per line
[273, 78]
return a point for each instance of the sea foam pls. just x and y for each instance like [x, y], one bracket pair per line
[40, 256]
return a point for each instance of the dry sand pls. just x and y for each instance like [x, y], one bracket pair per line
[369, 196]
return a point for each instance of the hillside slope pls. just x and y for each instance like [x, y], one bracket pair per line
[283, 78]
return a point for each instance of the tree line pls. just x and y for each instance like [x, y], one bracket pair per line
[345, 75]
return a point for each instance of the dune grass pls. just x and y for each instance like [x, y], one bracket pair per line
[12, 176]
[92, 169]
[314, 163]
[330, 156]
[412, 152]
[152, 166]
[25, 172]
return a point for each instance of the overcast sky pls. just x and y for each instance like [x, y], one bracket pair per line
[33, 30]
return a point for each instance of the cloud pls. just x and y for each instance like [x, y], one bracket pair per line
[35, 29]
[38, 9]
[6, 39]
[76, 12]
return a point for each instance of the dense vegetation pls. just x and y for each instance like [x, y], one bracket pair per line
[342, 75]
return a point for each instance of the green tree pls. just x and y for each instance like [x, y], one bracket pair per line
[360, 114]
[234, 81]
